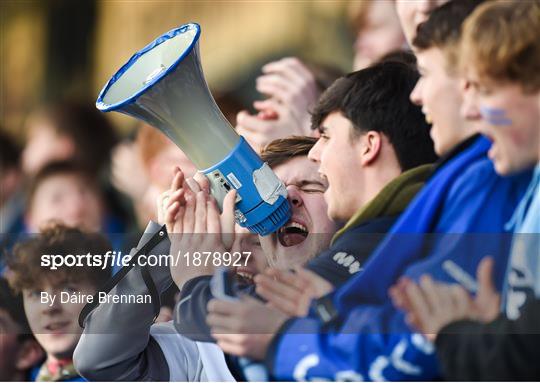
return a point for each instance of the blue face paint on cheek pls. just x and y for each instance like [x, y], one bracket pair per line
[495, 116]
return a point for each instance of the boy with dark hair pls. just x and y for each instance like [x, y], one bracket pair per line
[19, 351]
[376, 99]
[54, 320]
[374, 149]
[356, 333]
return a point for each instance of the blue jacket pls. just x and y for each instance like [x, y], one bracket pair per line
[370, 340]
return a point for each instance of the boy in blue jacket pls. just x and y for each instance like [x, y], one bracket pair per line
[475, 340]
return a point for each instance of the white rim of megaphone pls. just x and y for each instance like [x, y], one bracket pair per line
[161, 39]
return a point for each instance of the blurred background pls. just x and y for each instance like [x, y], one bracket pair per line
[62, 49]
[63, 160]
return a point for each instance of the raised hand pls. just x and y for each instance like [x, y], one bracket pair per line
[289, 292]
[244, 327]
[292, 91]
[430, 305]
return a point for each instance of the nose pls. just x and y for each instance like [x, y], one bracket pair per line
[416, 94]
[294, 197]
[52, 308]
[315, 151]
[77, 208]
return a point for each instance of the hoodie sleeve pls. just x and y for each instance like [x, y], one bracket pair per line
[190, 312]
[116, 342]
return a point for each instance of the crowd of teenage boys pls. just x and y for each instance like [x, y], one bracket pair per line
[412, 253]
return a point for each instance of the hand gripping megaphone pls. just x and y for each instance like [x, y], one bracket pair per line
[163, 85]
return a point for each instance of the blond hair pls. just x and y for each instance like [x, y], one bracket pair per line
[501, 40]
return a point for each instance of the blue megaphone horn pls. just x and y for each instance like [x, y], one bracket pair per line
[163, 85]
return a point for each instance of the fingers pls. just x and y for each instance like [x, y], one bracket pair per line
[295, 280]
[177, 180]
[484, 275]
[270, 104]
[200, 213]
[252, 123]
[227, 220]
[202, 181]
[284, 296]
[193, 185]
[229, 345]
[275, 86]
[488, 299]
[429, 291]
[314, 284]
[161, 201]
[289, 67]
[398, 295]
[420, 314]
[171, 214]
[217, 306]
[189, 214]
[213, 225]
[462, 304]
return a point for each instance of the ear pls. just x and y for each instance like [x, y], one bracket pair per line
[28, 355]
[370, 147]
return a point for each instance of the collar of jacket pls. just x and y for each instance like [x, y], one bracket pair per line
[459, 148]
[392, 199]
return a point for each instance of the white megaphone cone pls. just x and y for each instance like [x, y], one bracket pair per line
[163, 85]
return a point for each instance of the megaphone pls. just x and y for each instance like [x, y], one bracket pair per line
[163, 85]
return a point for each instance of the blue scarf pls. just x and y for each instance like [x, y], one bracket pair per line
[420, 218]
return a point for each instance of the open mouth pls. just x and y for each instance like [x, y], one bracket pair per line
[292, 234]
[245, 273]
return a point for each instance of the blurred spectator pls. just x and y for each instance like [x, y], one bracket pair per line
[19, 351]
[55, 324]
[64, 192]
[73, 131]
[377, 30]
[11, 195]
[79, 133]
[413, 13]
[292, 88]
[144, 169]
[10, 173]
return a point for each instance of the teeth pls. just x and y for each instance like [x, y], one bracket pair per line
[427, 117]
[245, 275]
[297, 225]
